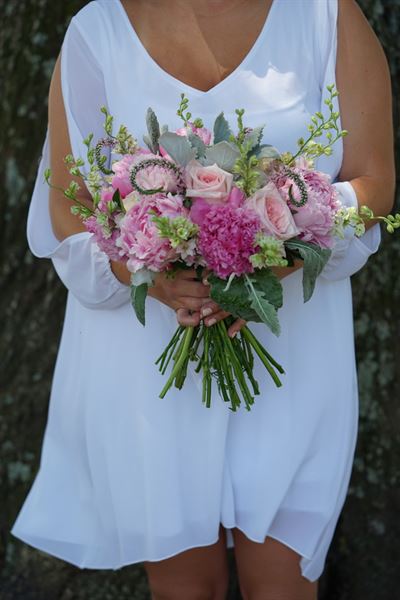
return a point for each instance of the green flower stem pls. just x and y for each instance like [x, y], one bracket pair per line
[225, 374]
[176, 335]
[167, 359]
[251, 338]
[198, 339]
[180, 358]
[237, 367]
[247, 350]
[206, 395]
[243, 359]
[259, 351]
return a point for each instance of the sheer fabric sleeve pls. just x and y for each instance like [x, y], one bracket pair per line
[351, 254]
[84, 269]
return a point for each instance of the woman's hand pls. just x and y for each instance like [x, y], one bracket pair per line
[184, 293]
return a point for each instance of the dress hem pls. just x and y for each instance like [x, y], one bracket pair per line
[42, 547]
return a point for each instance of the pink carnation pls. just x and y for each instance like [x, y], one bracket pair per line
[315, 219]
[140, 239]
[226, 239]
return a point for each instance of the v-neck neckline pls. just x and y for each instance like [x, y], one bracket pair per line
[181, 84]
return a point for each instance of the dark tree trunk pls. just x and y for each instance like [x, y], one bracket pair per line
[364, 560]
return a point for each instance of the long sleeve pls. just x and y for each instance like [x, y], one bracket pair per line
[350, 254]
[84, 269]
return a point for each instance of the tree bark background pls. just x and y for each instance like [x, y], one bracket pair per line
[364, 560]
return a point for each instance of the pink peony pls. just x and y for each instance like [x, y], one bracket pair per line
[140, 239]
[227, 239]
[315, 220]
[275, 216]
[203, 133]
[212, 183]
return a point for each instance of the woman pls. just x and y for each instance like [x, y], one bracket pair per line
[125, 477]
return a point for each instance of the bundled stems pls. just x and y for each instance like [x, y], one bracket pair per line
[228, 360]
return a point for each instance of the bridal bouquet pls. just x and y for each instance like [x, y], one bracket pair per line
[227, 205]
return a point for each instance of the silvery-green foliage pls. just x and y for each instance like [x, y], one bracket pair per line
[178, 147]
[223, 153]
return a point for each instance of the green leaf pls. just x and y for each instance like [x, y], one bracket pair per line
[222, 131]
[178, 147]
[118, 201]
[198, 144]
[265, 310]
[315, 259]
[267, 282]
[153, 128]
[138, 298]
[147, 141]
[224, 154]
[253, 138]
[235, 300]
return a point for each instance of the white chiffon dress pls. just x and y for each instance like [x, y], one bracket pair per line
[125, 476]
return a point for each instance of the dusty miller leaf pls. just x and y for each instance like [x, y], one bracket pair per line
[222, 131]
[224, 154]
[197, 144]
[253, 138]
[153, 128]
[178, 147]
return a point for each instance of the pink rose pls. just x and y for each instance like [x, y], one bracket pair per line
[275, 216]
[212, 183]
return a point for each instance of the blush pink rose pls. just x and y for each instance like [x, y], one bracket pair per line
[275, 216]
[211, 183]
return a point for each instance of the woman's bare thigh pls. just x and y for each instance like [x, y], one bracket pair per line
[196, 574]
[270, 571]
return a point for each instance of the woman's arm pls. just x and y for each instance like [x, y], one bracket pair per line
[184, 292]
[365, 99]
[64, 223]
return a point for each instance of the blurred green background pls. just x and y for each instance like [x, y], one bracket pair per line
[364, 561]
